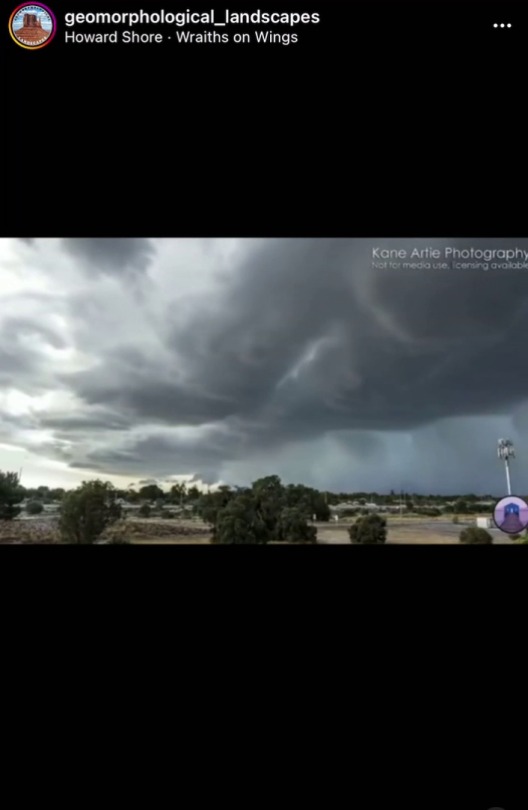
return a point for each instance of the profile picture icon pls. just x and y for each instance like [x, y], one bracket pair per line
[32, 26]
[511, 515]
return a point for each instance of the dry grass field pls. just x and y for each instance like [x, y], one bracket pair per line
[410, 531]
[158, 531]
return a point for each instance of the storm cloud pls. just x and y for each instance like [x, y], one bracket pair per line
[230, 359]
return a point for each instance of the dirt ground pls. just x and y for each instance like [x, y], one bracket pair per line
[159, 531]
[409, 531]
[401, 531]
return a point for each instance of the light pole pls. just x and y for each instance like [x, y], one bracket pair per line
[506, 451]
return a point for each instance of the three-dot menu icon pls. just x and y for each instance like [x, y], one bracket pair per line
[502, 25]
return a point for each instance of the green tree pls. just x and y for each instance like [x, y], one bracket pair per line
[178, 494]
[270, 499]
[34, 508]
[209, 505]
[475, 536]
[144, 510]
[239, 522]
[309, 501]
[11, 495]
[369, 530]
[270, 485]
[461, 506]
[151, 492]
[87, 511]
[293, 528]
[256, 517]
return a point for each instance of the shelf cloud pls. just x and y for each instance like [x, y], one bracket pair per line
[230, 359]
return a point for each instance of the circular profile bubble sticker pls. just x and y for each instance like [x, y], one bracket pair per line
[32, 26]
[511, 514]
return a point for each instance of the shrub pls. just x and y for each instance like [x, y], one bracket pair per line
[475, 536]
[167, 515]
[429, 511]
[456, 519]
[11, 494]
[87, 511]
[369, 530]
[144, 510]
[34, 508]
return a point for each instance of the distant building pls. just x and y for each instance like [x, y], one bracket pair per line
[484, 523]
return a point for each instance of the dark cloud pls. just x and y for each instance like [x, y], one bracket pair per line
[127, 256]
[161, 455]
[389, 350]
[101, 419]
[301, 350]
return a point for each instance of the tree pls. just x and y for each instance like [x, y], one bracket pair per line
[210, 505]
[265, 513]
[144, 510]
[34, 508]
[270, 486]
[270, 499]
[309, 501]
[369, 530]
[239, 522]
[293, 528]
[475, 536]
[151, 492]
[461, 506]
[178, 493]
[87, 511]
[11, 495]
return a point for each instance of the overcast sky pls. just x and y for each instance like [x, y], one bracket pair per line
[230, 359]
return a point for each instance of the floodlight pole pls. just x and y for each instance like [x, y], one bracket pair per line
[505, 450]
[508, 481]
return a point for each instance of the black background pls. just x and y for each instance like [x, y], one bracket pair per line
[384, 119]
